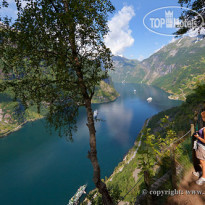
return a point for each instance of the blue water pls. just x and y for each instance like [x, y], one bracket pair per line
[37, 168]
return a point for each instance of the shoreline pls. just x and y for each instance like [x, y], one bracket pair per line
[129, 156]
[34, 119]
[105, 102]
[18, 127]
[174, 96]
[133, 154]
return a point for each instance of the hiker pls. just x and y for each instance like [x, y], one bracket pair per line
[200, 151]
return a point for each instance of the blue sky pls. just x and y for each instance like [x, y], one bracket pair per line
[145, 42]
[128, 36]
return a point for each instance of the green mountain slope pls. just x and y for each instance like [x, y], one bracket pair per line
[104, 93]
[126, 70]
[124, 179]
[9, 121]
[176, 68]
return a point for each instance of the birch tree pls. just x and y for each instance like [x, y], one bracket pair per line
[54, 54]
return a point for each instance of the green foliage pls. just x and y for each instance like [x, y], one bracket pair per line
[16, 118]
[155, 151]
[104, 93]
[183, 115]
[197, 7]
[148, 153]
[198, 96]
[96, 198]
[53, 53]
[176, 68]
[126, 70]
[163, 130]
[154, 147]
[188, 70]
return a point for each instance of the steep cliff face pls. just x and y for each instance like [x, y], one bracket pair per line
[182, 52]
[176, 67]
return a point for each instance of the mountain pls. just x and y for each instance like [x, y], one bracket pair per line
[127, 176]
[105, 92]
[176, 67]
[126, 70]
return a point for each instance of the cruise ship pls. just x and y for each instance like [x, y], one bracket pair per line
[75, 199]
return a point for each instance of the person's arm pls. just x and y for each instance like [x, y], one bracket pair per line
[200, 138]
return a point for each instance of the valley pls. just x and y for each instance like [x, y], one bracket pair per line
[176, 68]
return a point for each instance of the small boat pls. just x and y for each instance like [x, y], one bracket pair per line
[75, 199]
[149, 100]
[95, 114]
[134, 91]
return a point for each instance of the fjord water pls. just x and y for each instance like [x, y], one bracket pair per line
[41, 168]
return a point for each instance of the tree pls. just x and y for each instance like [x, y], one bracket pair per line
[54, 55]
[96, 199]
[153, 150]
[191, 15]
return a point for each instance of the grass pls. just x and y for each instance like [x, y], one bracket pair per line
[182, 117]
[14, 120]
[104, 93]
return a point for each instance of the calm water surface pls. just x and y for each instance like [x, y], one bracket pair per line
[39, 169]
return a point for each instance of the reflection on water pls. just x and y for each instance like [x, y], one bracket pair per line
[118, 120]
[38, 168]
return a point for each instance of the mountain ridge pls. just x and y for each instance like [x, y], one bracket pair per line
[176, 68]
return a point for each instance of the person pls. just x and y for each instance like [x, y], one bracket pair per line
[200, 151]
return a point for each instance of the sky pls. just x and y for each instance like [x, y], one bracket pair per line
[128, 36]
[140, 42]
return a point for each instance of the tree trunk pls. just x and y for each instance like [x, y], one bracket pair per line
[92, 155]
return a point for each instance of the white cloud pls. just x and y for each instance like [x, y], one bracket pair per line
[120, 36]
